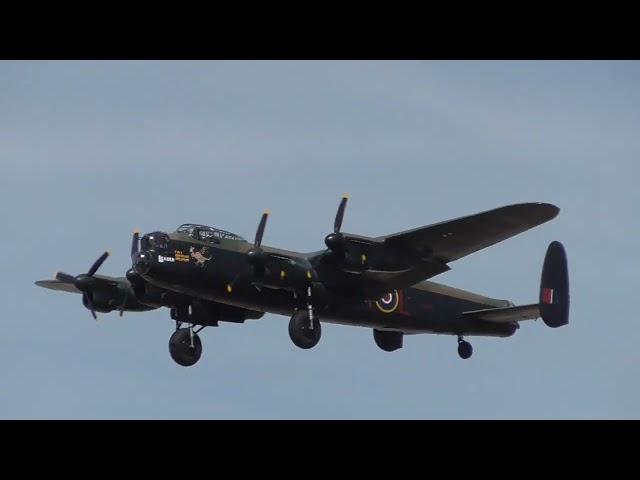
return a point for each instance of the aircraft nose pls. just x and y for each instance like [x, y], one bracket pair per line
[154, 240]
[142, 263]
[145, 243]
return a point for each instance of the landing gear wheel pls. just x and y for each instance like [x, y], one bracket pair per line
[465, 350]
[387, 340]
[300, 332]
[181, 350]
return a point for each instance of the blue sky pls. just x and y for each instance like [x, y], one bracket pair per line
[92, 150]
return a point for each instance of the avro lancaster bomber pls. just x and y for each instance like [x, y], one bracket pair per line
[205, 276]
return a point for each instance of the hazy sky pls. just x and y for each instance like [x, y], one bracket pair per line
[92, 150]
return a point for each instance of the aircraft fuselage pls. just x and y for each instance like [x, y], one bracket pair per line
[221, 273]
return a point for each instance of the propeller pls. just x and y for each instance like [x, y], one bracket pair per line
[300, 273]
[256, 256]
[65, 277]
[125, 295]
[132, 276]
[260, 232]
[85, 282]
[135, 244]
[97, 264]
[335, 240]
[337, 224]
[136, 289]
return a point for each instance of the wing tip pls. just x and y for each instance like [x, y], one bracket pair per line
[550, 209]
[542, 211]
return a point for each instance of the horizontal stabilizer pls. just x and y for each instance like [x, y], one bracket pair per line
[507, 314]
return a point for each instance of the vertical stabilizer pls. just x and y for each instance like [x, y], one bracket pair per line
[554, 287]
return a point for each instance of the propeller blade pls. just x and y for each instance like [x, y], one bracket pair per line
[90, 303]
[97, 264]
[337, 225]
[65, 277]
[126, 298]
[260, 231]
[135, 243]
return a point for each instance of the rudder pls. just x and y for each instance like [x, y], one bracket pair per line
[554, 287]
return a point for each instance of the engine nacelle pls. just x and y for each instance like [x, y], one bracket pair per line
[105, 299]
[124, 296]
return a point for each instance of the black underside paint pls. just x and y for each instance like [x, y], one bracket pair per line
[224, 276]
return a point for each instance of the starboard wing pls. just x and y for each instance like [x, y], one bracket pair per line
[65, 282]
[58, 286]
[453, 239]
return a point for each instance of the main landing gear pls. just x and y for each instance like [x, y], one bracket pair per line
[465, 350]
[303, 332]
[185, 346]
[388, 340]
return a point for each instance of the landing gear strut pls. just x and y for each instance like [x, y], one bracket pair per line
[310, 308]
[185, 346]
[465, 350]
[300, 331]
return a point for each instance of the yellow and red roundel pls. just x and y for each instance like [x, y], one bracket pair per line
[389, 302]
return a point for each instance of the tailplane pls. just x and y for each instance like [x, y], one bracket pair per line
[553, 304]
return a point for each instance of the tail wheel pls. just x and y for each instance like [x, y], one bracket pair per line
[300, 331]
[181, 350]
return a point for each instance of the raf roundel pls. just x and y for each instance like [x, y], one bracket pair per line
[389, 302]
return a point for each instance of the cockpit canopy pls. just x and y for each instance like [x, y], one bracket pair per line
[207, 234]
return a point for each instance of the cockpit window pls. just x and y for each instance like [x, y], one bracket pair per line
[207, 234]
[188, 229]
